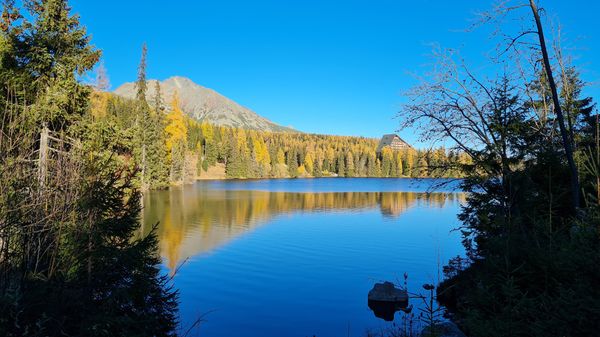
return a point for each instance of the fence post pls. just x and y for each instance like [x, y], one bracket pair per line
[43, 156]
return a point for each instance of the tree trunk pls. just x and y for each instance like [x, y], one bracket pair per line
[559, 114]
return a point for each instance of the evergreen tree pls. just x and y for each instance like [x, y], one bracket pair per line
[423, 167]
[141, 85]
[386, 161]
[49, 49]
[408, 160]
[292, 163]
[341, 165]
[238, 163]
[158, 100]
[210, 147]
[350, 168]
[156, 155]
[372, 165]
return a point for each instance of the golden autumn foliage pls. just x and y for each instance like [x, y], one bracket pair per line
[176, 128]
[99, 104]
[193, 148]
[280, 156]
[309, 163]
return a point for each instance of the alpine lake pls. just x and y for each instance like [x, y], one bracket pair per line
[297, 257]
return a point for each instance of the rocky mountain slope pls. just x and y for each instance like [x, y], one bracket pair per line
[205, 104]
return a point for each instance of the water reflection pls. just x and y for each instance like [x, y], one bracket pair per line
[387, 310]
[197, 220]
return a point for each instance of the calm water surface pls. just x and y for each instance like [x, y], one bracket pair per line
[298, 257]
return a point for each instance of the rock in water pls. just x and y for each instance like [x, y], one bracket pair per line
[385, 299]
[387, 292]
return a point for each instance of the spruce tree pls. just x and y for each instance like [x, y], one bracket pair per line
[292, 162]
[156, 154]
[350, 165]
[341, 165]
[141, 84]
[158, 100]
[386, 161]
[372, 165]
[49, 49]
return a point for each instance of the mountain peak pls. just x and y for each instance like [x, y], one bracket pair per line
[180, 81]
[203, 104]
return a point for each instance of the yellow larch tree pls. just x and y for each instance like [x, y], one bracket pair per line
[309, 163]
[176, 129]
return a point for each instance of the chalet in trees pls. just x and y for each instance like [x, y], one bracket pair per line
[394, 142]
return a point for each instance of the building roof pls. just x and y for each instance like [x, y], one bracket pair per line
[387, 140]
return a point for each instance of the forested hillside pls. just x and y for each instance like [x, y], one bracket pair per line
[172, 148]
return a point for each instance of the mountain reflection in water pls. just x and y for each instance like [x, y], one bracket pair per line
[193, 221]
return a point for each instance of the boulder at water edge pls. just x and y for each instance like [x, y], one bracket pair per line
[385, 299]
[387, 292]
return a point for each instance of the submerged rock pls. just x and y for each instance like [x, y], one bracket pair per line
[385, 299]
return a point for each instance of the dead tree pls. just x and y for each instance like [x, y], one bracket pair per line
[557, 108]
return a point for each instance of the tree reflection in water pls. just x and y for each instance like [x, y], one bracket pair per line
[194, 220]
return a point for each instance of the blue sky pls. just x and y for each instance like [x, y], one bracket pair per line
[333, 67]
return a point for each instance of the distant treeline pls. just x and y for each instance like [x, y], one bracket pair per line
[172, 148]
